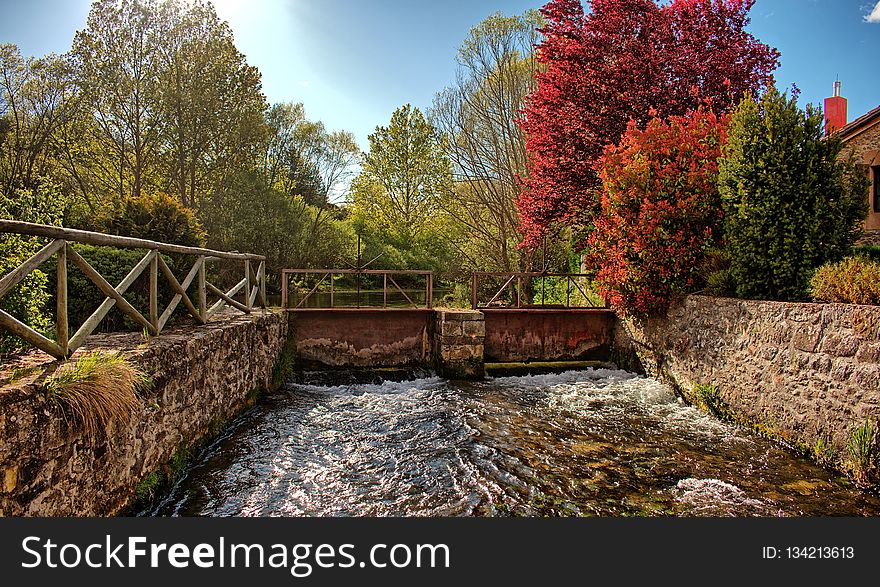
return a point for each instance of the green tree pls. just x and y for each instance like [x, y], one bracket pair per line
[496, 73]
[303, 159]
[116, 58]
[790, 203]
[32, 107]
[210, 103]
[404, 177]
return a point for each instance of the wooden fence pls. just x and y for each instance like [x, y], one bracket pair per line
[253, 284]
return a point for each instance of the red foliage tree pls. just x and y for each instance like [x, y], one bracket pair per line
[625, 60]
[659, 211]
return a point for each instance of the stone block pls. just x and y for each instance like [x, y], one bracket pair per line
[451, 328]
[474, 328]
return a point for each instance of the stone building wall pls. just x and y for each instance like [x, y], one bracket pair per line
[800, 371]
[202, 377]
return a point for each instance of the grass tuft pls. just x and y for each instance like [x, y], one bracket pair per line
[96, 389]
[862, 449]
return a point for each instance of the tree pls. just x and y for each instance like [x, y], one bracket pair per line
[404, 176]
[303, 159]
[660, 211]
[477, 115]
[32, 107]
[210, 100]
[625, 60]
[790, 203]
[116, 58]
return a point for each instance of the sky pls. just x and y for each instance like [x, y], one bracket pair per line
[352, 62]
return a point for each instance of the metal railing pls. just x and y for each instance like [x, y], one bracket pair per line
[329, 274]
[253, 284]
[519, 288]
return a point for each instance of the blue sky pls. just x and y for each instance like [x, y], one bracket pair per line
[352, 62]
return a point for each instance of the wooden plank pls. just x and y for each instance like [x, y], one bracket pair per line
[89, 325]
[262, 273]
[203, 299]
[255, 291]
[180, 290]
[97, 238]
[247, 284]
[218, 305]
[284, 280]
[62, 332]
[30, 335]
[12, 278]
[227, 297]
[109, 291]
[154, 293]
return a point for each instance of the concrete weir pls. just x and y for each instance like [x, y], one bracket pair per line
[457, 343]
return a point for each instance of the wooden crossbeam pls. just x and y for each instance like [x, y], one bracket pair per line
[12, 278]
[92, 322]
[108, 290]
[180, 289]
[225, 298]
[30, 335]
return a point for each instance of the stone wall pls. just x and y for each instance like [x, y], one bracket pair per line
[799, 371]
[202, 376]
[458, 344]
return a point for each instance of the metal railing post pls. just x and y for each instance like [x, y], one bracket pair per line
[474, 291]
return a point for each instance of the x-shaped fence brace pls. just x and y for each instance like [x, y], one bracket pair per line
[253, 284]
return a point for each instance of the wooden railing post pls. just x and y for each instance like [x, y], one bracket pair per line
[262, 272]
[154, 292]
[384, 290]
[247, 284]
[331, 290]
[283, 289]
[62, 333]
[203, 294]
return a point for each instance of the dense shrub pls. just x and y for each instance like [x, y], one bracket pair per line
[28, 300]
[660, 211]
[790, 204]
[157, 217]
[855, 280]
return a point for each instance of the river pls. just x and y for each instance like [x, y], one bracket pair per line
[582, 443]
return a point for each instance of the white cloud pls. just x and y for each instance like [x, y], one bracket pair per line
[875, 14]
[303, 83]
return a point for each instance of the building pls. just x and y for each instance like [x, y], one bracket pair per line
[861, 137]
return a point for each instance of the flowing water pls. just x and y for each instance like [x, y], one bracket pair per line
[591, 442]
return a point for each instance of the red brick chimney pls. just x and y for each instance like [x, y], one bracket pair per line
[835, 111]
